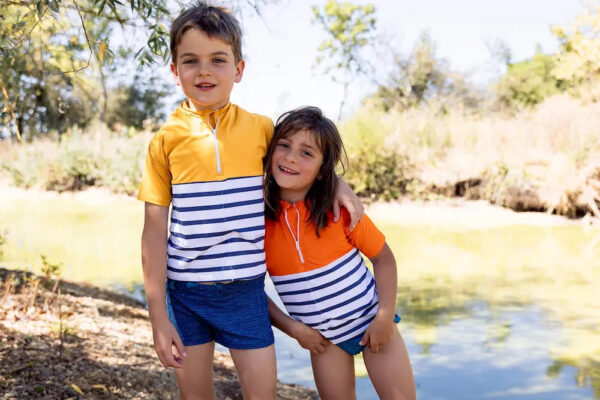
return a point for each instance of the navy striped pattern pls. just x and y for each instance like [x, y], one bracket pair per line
[217, 231]
[338, 299]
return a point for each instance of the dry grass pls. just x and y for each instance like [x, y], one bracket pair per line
[547, 158]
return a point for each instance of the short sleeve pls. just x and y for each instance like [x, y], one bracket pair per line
[156, 180]
[365, 236]
[269, 128]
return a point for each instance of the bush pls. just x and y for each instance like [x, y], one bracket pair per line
[79, 160]
[377, 168]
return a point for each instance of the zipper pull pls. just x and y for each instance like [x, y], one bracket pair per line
[299, 252]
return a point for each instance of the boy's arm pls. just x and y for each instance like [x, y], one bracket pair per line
[154, 264]
[381, 328]
[309, 338]
[344, 196]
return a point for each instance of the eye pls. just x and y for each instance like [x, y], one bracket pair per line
[283, 144]
[307, 153]
[189, 61]
[219, 60]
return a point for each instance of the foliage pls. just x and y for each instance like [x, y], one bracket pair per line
[377, 169]
[422, 77]
[529, 82]
[349, 29]
[579, 57]
[78, 161]
[55, 57]
[134, 105]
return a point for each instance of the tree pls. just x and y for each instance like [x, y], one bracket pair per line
[529, 82]
[349, 28]
[53, 56]
[578, 59]
[420, 77]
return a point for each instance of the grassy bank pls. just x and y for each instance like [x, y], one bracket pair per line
[543, 159]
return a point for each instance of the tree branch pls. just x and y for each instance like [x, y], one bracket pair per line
[11, 107]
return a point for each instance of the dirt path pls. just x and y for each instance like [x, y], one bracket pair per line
[88, 343]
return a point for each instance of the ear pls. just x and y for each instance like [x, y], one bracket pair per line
[175, 74]
[239, 71]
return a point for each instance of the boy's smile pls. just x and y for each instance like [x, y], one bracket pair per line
[206, 70]
[297, 161]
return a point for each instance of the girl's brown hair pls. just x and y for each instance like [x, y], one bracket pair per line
[319, 199]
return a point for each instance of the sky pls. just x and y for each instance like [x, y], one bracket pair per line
[280, 49]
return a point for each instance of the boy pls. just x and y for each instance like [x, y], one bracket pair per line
[206, 162]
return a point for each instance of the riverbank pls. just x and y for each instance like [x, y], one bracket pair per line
[75, 340]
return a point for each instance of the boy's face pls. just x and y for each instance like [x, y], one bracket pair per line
[206, 70]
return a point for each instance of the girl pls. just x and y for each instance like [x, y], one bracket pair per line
[337, 309]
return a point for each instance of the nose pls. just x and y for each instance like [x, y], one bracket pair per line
[203, 69]
[291, 156]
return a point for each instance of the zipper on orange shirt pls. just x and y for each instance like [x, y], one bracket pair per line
[297, 236]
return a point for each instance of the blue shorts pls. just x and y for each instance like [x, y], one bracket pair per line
[351, 345]
[234, 315]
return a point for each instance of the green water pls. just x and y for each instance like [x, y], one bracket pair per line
[504, 312]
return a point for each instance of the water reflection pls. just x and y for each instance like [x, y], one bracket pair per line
[501, 311]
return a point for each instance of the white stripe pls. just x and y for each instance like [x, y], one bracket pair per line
[216, 276]
[217, 249]
[227, 226]
[204, 201]
[218, 213]
[232, 183]
[216, 262]
[332, 265]
[211, 241]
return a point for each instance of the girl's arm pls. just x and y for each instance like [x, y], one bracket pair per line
[381, 328]
[309, 338]
[344, 196]
[154, 264]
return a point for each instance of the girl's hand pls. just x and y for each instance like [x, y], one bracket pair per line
[378, 333]
[309, 338]
[168, 345]
[344, 196]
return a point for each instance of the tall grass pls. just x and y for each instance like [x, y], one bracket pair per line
[78, 160]
[547, 158]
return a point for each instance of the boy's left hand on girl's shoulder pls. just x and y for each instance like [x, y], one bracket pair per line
[377, 334]
[345, 197]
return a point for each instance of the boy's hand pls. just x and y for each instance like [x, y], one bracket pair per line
[168, 345]
[378, 333]
[344, 196]
[310, 339]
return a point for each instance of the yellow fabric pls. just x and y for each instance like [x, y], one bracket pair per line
[183, 150]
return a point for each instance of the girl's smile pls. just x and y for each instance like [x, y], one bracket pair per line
[297, 161]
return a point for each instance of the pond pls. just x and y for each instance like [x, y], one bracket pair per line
[494, 304]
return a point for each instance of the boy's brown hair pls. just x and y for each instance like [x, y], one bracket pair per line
[216, 22]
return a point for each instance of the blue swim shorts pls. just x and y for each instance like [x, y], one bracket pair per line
[351, 345]
[234, 314]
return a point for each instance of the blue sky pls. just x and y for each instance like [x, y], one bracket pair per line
[281, 48]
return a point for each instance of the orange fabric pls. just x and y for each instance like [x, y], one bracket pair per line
[335, 240]
[183, 150]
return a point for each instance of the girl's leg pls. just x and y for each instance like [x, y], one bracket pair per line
[390, 370]
[334, 374]
[257, 371]
[195, 377]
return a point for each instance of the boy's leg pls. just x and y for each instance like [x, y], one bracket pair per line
[257, 371]
[334, 374]
[195, 377]
[390, 370]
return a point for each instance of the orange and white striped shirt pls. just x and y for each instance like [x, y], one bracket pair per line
[323, 281]
[208, 166]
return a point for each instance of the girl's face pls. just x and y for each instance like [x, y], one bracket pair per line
[295, 165]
